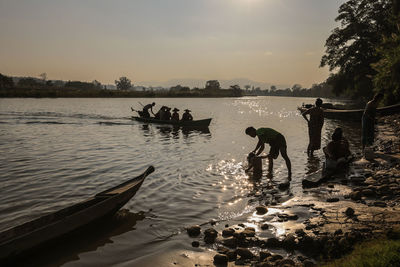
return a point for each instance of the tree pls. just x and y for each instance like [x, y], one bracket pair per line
[123, 83]
[387, 78]
[97, 84]
[350, 49]
[273, 88]
[43, 76]
[247, 87]
[236, 90]
[213, 85]
[6, 82]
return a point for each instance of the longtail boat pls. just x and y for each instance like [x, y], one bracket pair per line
[355, 114]
[29, 235]
[196, 123]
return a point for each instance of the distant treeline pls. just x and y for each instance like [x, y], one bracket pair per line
[32, 87]
[316, 90]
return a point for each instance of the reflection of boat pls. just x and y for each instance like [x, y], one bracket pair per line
[21, 238]
[355, 114]
[197, 123]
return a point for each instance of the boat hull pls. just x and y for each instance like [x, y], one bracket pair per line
[196, 123]
[19, 239]
[355, 114]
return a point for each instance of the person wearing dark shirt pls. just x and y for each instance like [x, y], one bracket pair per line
[277, 143]
[175, 115]
[145, 112]
[337, 151]
[368, 121]
[187, 116]
[315, 124]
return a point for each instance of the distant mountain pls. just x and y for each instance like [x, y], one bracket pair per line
[200, 83]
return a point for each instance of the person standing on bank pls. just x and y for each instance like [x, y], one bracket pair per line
[277, 142]
[315, 124]
[368, 121]
[145, 112]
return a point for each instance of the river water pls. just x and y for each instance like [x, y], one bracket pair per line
[56, 152]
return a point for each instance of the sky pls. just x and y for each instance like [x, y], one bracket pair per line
[272, 41]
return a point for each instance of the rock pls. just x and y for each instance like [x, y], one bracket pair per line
[222, 250]
[261, 210]
[287, 262]
[380, 204]
[349, 212]
[284, 186]
[338, 232]
[289, 242]
[273, 242]
[355, 195]
[293, 217]
[230, 242]
[241, 225]
[299, 232]
[210, 235]
[266, 264]
[221, 259]
[264, 226]
[333, 199]
[193, 231]
[231, 255]
[274, 257]
[264, 255]
[368, 192]
[228, 232]
[195, 244]
[244, 253]
[370, 181]
[249, 232]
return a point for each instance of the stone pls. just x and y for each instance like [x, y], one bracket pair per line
[273, 242]
[299, 232]
[194, 230]
[333, 199]
[195, 244]
[284, 186]
[355, 195]
[228, 232]
[349, 212]
[264, 255]
[370, 181]
[289, 242]
[287, 262]
[275, 257]
[293, 217]
[210, 235]
[222, 250]
[231, 255]
[338, 232]
[221, 259]
[244, 253]
[264, 226]
[261, 210]
[380, 204]
[368, 192]
[230, 242]
[249, 232]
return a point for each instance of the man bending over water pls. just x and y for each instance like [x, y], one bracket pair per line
[277, 142]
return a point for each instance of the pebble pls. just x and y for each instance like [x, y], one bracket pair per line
[194, 230]
[333, 199]
[221, 259]
[261, 210]
[349, 212]
[195, 244]
[244, 253]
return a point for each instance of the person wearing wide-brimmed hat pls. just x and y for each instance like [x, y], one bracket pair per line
[187, 116]
[175, 115]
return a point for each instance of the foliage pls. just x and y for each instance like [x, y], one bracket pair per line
[378, 253]
[6, 82]
[80, 85]
[28, 82]
[212, 85]
[123, 83]
[387, 78]
[350, 49]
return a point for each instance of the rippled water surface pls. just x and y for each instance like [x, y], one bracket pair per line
[56, 152]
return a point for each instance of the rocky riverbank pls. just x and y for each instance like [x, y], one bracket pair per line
[281, 230]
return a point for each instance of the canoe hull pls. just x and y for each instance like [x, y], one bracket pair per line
[19, 239]
[355, 114]
[196, 123]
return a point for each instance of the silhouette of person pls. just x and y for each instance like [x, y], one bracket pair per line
[277, 143]
[187, 116]
[315, 124]
[145, 111]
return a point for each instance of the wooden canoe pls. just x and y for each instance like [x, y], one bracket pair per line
[197, 123]
[24, 237]
[355, 114]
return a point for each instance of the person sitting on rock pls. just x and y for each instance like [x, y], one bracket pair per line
[187, 116]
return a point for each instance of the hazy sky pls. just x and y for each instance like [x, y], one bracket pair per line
[274, 41]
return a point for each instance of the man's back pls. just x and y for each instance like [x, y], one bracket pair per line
[267, 135]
